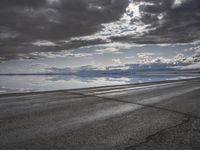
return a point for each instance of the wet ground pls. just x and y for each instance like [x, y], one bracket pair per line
[147, 116]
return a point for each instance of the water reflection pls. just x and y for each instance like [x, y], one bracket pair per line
[10, 84]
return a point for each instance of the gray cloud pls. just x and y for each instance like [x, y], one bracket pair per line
[171, 22]
[24, 50]
[26, 21]
[62, 19]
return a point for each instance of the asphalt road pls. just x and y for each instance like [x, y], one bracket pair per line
[148, 116]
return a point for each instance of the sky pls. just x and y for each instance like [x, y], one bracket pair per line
[42, 34]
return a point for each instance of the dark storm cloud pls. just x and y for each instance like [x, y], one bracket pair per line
[25, 21]
[172, 23]
[58, 19]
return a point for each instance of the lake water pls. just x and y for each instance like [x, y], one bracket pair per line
[13, 84]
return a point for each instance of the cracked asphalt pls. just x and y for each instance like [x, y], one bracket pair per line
[148, 116]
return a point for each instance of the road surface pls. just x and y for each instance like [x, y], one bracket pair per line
[147, 116]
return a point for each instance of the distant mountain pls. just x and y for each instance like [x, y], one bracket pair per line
[123, 70]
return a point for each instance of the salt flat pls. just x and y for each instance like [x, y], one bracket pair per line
[159, 115]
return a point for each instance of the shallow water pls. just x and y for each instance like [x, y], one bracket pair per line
[28, 83]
